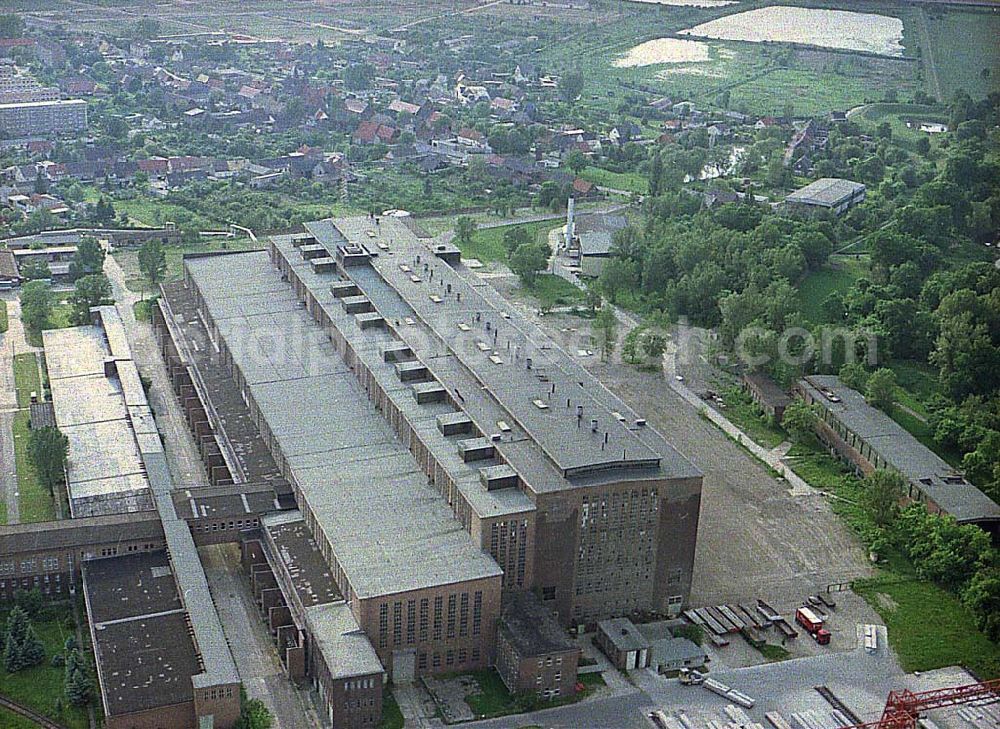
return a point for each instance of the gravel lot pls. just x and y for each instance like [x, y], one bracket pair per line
[755, 539]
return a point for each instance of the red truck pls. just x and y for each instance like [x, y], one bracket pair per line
[813, 625]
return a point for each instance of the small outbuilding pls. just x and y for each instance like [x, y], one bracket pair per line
[623, 644]
[673, 654]
[765, 392]
[828, 193]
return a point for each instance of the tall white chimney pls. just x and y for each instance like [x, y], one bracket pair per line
[570, 223]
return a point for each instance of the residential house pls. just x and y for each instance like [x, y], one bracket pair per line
[473, 139]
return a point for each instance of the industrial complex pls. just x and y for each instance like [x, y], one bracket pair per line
[419, 482]
[440, 452]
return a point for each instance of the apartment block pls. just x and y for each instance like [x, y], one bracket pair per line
[43, 117]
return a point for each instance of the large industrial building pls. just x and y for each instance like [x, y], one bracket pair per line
[101, 408]
[440, 452]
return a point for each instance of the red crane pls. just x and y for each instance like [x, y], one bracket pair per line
[903, 708]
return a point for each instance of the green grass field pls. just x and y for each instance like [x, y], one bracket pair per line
[40, 687]
[487, 243]
[10, 720]
[929, 628]
[3, 316]
[897, 116]
[151, 212]
[26, 379]
[963, 44]
[143, 309]
[551, 290]
[627, 181]
[838, 275]
[809, 92]
[34, 500]
[495, 700]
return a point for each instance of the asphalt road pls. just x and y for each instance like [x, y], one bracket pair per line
[11, 342]
[253, 650]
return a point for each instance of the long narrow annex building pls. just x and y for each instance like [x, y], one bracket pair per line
[433, 450]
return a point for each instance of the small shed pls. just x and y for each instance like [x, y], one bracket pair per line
[766, 393]
[623, 644]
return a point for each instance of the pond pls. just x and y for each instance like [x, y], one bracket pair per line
[664, 50]
[843, 29]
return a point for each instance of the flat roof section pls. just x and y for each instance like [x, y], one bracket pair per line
[145, 656]
[370, 346]
[219, 502]
[304, 565]
[389, 529]
[124, 587]
[532, 628]
[897, 447]
[494, 343]
[345, 648]
[826, 192]
[93, 408]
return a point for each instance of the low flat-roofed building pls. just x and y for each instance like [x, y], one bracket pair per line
[624, 645]
[870, 440]
[828, 193]
[144, 654]
[47, 555]
[104, 469]
[673, 654]
[534, 654]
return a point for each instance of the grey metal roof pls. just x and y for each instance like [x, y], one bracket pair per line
[672, 650]
[623, 634]
[896, 446]
[826, 192]
[104, 470]
[345, 648]
[355, 475]
[465, 332]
